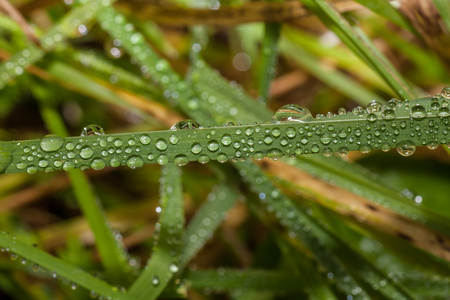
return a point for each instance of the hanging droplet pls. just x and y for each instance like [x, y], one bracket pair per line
[135, 162]
[418, 112]
[385, 147]
[186, 124]
[365, 149]
[406, 148]
[445, 93]
[373, 107]
[292, 112]
[181, 160]
[92, 130]
[274, 154]
[51, 143]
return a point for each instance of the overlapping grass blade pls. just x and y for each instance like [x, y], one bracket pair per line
[164, 261]
[361, 46]
[112, 253]
[443, 7]
[269, 58]
[206, 220]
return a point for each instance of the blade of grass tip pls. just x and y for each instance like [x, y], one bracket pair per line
[112, 253]
[58, 268]
[164, 261]
[360, 45]
[335, 79]
[229, 279]
[81, 15]
[206, 220]
[443, 7]
[267, 67]
[385, 9]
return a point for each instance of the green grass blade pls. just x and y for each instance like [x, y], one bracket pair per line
[443, 7]
[112, 253]
[335, 79]
[60, 268]
[361, 46]
[269, 59]
[228, 279]
[206, 220]
[385, 9]
[164, 262]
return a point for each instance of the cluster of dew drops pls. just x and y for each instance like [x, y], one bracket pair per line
[47, 158]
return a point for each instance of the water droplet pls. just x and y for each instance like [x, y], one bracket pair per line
[393, 103]
[131, 142]
[385, 147]
[98, 164]
[43, 163]
[181, 160]
[445, 93]
[92, 130]
[213, 145]
[135, 162]
[161, 144]
[186, 124]
[155, 280]
[86, 152]
[145, 139]
[418, 112]
[373, 107]
[290, 132]
[432, 145]
[274, 154]
[343, 151]
[292, 112]
[276, 132]
[196, 148]
[268, 140]
[406, 148]
[258, 155]
[342, 111]
[114, 162]
[203, 159]
[162, 159]
[443, 112]
[173, 268]
[173, 139]
[365, 149]
[68, 165]
[51, 143]
[118, 142]
[388, 114]
[315, 148]
[226, 140]
[325, 139]
[32, 169]
[371, 117]
[222, 157]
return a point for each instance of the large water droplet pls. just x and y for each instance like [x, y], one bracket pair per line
[161, 144]
[92, 130]
[445, 93]
[292, 112]
[135, 162]
[418, 112]
[274, 154]
[213, 145]
[181, 160]
[86, 152]
[443, 112]
[114, 162]
[98, 164]
[406, 148]
[186, 124]
[388, 114]
[51, 143]
[373, 107]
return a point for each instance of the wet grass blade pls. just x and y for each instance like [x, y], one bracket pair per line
[206, 220]
[360, 45]
[59, 268]
[164, 261]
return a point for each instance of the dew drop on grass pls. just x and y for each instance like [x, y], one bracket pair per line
[226, 140]
[418, 112]
[162, 159]
[222, 157]
[51, 143]
[445, 93]
[155, 280]
[196, 148]
[161, 144]
[373, 107]
[135, 162]
[372, 117]
[385, 147]
[365, 149]
[292, 112]
[92, 130]
[213, 145]
[186, 124]
[173, 268]
[43, 163]
[68, 165]
[406, 148]
[388, 114]
[98, 164]
[181, 160]
[86, 152]
[325, 139]
[32, 169]
[443, 112]
[203, 159]
[145, 139]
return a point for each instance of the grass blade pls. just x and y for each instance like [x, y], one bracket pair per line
[164, 262]
[443, 7]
